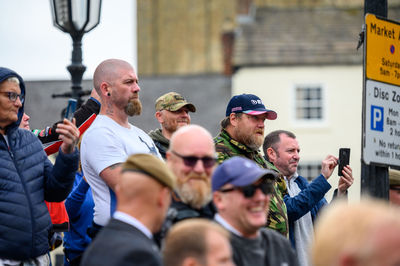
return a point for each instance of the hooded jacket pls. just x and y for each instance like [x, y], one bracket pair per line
[27, 179]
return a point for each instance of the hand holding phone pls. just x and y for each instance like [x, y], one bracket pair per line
[69, 112]
[344, 159]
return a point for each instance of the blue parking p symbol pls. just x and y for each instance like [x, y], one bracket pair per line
[377, 118]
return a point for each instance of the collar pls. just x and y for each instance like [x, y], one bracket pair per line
[218, 218]
[293, 178]
[126, 218]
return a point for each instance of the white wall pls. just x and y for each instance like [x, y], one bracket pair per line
[342, 127]
[34, 48]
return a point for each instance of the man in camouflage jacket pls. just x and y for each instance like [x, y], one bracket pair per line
[242, 134]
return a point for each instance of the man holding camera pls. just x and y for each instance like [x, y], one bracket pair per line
[304, 200]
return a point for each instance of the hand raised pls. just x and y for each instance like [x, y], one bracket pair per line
[68, 134]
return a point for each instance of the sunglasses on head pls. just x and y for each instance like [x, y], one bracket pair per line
[191, 160]
[266, 188]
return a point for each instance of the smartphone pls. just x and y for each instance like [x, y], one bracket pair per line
[69, 112]
[344, 159]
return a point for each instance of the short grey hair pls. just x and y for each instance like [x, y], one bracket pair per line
[13, 79]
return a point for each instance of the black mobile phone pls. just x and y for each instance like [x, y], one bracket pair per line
[344, 159]
[69, 112]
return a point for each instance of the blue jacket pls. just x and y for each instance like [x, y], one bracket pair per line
[27, 179]
[310, 199]
[79, 205]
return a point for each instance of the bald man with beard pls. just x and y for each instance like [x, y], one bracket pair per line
[191, 157]
[111, 138]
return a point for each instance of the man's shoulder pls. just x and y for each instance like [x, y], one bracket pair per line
[275, 239]
[224, 147]
[119, 231]
[130, 241]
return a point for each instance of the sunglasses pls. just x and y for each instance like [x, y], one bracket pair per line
[12, 96]
[191, 161]
[266, 188]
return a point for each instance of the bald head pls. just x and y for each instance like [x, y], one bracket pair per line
[193, 136]
[143, 197]
[191, 156]
[133, 185]
[108, 71]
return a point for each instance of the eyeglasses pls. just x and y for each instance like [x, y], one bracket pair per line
[266, 188]
[13, 96]
[191, 161]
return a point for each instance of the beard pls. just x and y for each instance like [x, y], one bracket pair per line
[252, 141]
[134, 107]
[172, 126]
[197, 193]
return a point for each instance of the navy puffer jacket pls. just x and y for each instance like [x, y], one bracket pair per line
[27, 178]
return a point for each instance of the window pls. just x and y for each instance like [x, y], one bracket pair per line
[309, 103]
[309, 170]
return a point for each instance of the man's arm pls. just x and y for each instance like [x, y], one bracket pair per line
[313, 193]
[75, 199]
[84, 117]
[111, 174]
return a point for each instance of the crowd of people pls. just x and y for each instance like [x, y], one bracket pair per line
[175, 195]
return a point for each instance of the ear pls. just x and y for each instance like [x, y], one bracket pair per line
[104, 88]
[168, 156]
[218, 200]
[190, 261]
[159, 117]
[233, 119]
[348, 260]
[271, 154]
[163, 197]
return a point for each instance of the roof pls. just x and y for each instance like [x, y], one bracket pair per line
[301, 36]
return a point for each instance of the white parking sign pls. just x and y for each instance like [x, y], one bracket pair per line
[382, 124]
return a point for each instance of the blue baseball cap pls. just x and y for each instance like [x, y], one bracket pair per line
[249, 104]
[240, 172]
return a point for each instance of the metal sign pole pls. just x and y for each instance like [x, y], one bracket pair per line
[374, 178]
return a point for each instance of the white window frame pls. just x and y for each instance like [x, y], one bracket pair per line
[311, 163]
[324, 105]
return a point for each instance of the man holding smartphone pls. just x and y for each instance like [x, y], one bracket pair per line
[304, 200]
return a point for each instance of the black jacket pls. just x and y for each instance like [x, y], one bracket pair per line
[120, 244]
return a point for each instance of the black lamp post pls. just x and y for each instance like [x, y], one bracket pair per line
[76, 17]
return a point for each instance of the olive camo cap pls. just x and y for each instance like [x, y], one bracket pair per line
[173, 101]
[152, 166]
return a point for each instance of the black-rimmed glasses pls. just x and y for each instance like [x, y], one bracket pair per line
[191, 160]
[266, 187]
[12, 96]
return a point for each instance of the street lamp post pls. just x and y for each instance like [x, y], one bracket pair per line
[76, 17]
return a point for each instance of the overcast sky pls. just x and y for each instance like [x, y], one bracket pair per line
[33, 47]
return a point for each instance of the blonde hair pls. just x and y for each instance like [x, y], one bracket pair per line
[349, 229]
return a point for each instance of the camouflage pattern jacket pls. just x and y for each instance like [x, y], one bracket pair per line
[226, 148]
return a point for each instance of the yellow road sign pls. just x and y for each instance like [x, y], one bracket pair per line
[382, 50]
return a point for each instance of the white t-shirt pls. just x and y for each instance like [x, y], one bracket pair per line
[106, 143]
